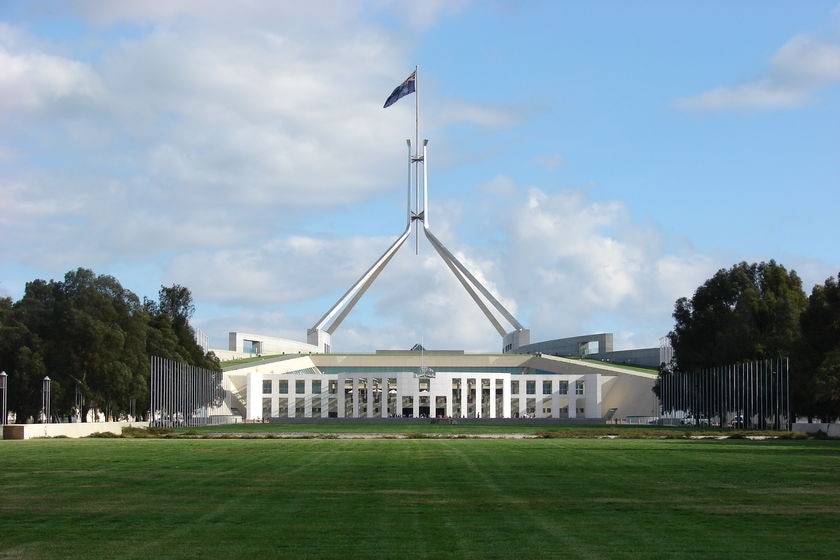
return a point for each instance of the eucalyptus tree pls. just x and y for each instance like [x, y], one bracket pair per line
[21, 357]
[94, 339]
[818, 364]
[746, 313]
[97, 350]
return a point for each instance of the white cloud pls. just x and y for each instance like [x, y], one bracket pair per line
[803, 66]
[321, 13]
[808, 60]
[571, 262]
[423, 15]
[34, 81]
[762, 94]
[189, 139]
[277, 272]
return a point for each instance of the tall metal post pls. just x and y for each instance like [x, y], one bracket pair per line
[787, 395]
[3, 384]
[416, 157]
[45, 399]
[408, 204]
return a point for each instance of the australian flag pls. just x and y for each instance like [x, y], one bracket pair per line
[401, 90]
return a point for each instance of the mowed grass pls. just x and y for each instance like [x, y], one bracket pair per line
[419, 498]
[463, 428]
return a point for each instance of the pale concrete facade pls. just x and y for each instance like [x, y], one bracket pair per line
[69, 430]
[597, 346]
[242, 344]
[413, 384]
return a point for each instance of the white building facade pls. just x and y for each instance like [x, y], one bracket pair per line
[437, 385]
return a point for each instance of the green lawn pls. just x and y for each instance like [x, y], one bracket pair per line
[419, 498]
[468, 428]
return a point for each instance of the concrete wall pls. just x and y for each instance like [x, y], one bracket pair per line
[229, 355]
[514, 340]
[631, 395]
[572, 347]
[70, 430]
[643, 357]
[833, 430]
[569, 346]
[268, 345]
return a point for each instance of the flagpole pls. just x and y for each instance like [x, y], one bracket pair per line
[416, 154]
[416, 107]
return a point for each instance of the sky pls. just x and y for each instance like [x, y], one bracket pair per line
[590, 162]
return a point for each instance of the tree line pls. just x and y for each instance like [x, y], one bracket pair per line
[94, 339]
[760, 311]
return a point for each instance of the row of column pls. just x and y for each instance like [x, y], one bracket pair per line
[391, 391]
[425, 391]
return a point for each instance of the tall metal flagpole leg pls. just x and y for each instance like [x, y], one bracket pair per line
[408, 200]
[425, 186]
[416, 158]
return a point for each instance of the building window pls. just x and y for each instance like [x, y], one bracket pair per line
[531, 387]
[283, 386]
[563, 388]
[266, 387]
[251, 347]
[547, 387]
[316, 387]
[578, 387]
[300, 386]
[530, 407]
[514, 387]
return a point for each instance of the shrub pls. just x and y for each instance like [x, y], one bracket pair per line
[152, 431]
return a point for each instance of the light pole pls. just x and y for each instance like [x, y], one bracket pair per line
[45, 399]
[3, 384]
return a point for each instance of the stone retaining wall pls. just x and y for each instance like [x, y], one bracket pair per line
[70, 430]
